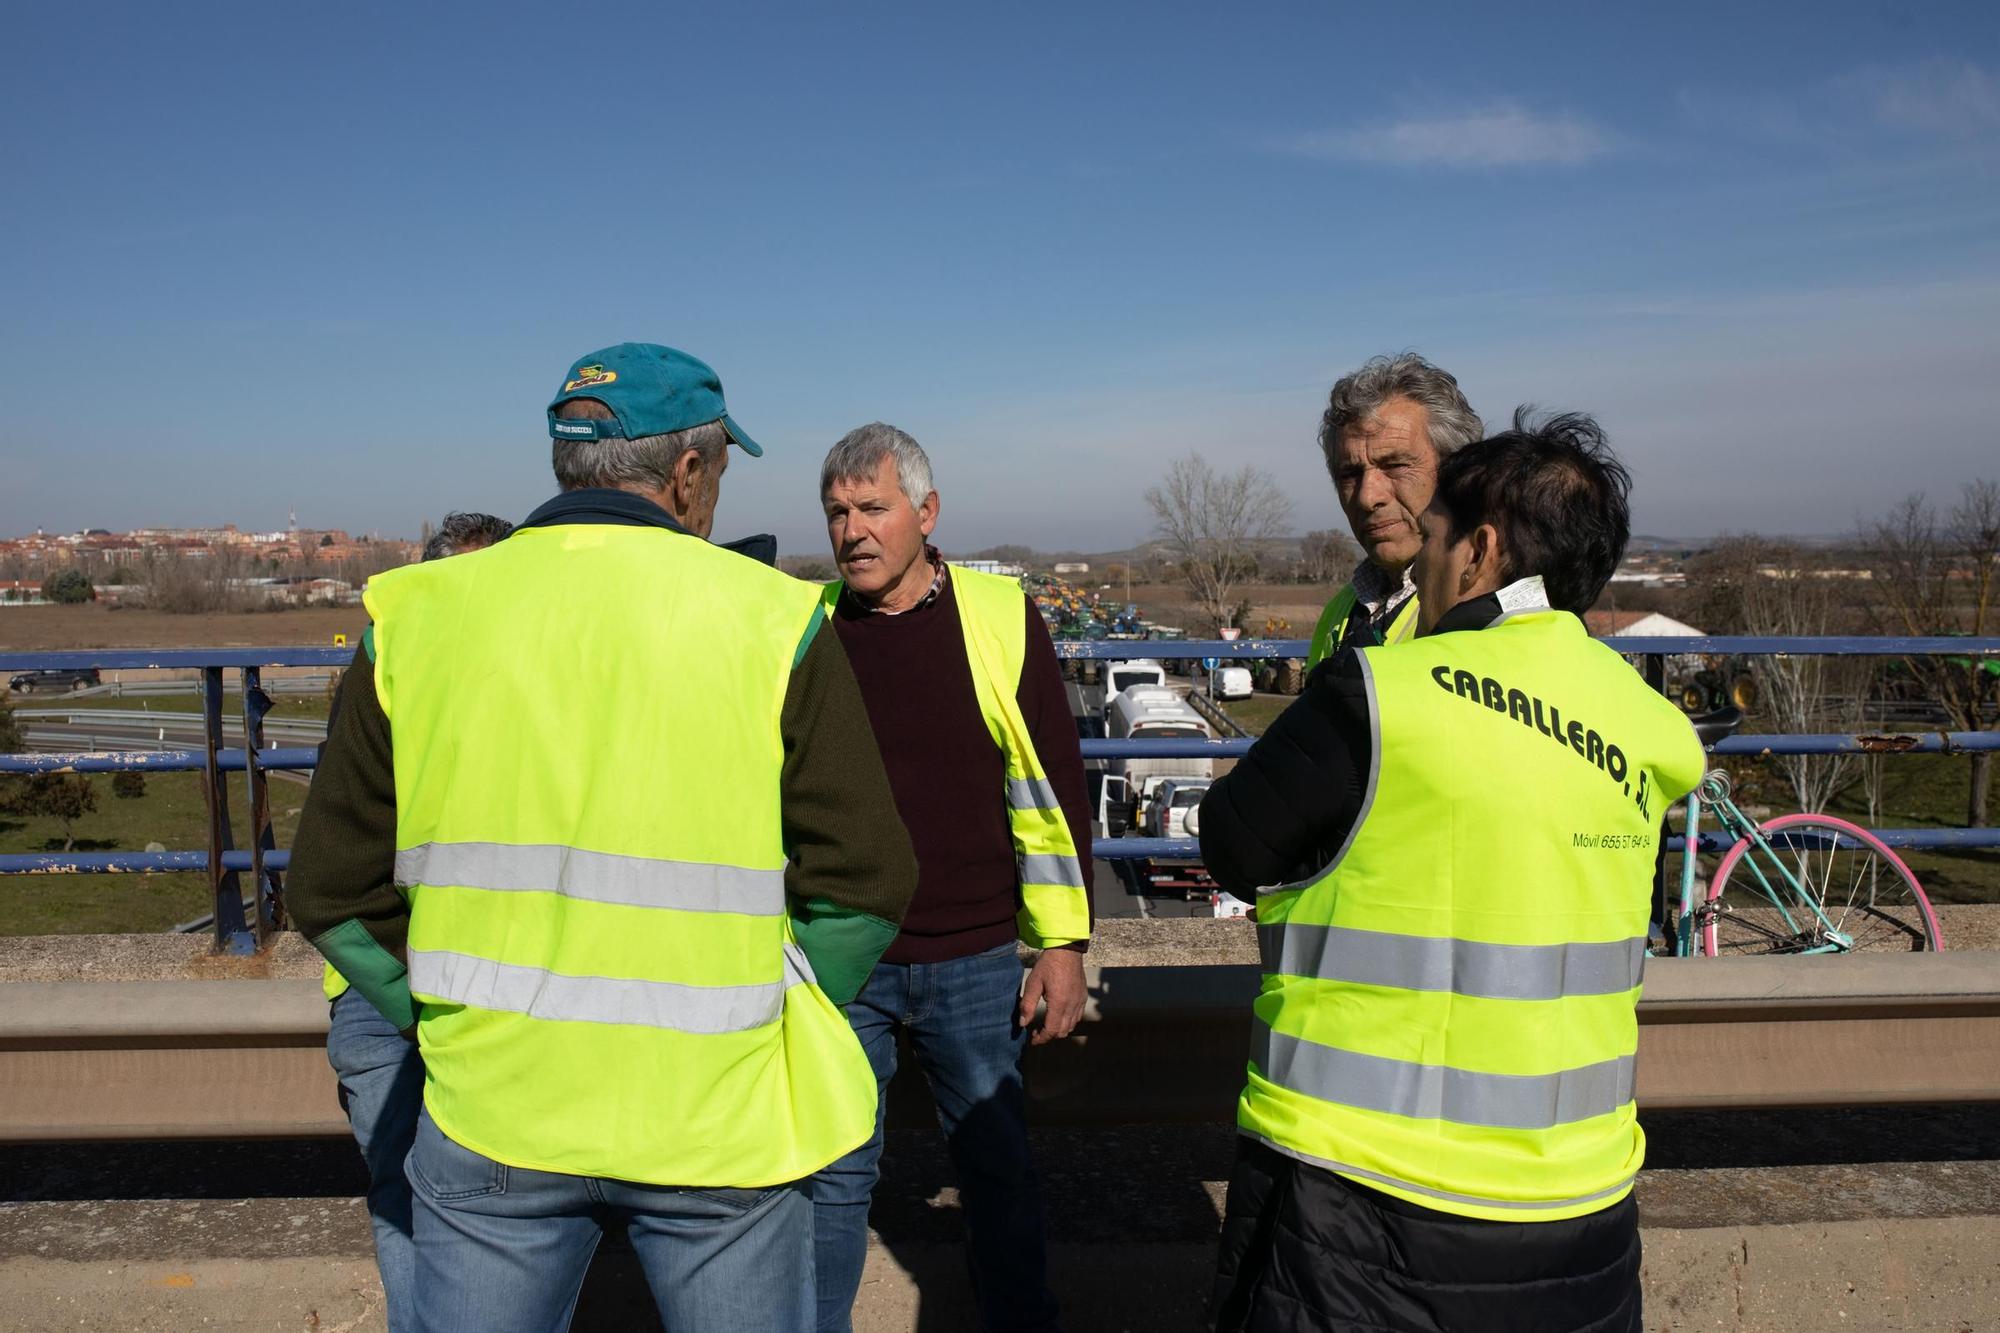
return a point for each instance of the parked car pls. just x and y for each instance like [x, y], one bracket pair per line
[1173, 808]
[54, 678]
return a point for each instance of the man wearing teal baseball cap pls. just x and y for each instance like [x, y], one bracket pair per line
[616, 400]
[627, 847]
[648, 390]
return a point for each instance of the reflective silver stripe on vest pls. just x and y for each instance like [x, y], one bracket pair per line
[1032, 794]
[599, 877]
[1463, 967]
[1051, 868]
[463, 979]
[1439, 1092]
[1348, 1169]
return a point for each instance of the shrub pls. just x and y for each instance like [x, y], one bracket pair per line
[69, 587]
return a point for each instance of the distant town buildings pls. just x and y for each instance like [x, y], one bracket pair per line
[294, 566]
[292, 546]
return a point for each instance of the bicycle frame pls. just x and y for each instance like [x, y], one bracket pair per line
[1714, 786]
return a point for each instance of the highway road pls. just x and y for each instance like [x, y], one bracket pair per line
[1112, 889]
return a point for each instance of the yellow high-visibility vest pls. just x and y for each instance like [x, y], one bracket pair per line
[1447, 1010]
[585, 721]
[993, 615]
[1332, 626]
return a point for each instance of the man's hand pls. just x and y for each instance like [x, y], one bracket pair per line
[1057, 977]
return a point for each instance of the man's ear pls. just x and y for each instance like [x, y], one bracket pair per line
[927, 513]
[690, 474]
[1486, 557]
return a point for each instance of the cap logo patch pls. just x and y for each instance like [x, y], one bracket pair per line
[589, 375]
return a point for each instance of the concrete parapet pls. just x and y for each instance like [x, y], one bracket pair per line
[1160, 1042]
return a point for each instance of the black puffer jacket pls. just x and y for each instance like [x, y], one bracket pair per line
[1305, 1249]
[1284, 810]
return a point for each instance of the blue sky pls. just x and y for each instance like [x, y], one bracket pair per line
[336, 257]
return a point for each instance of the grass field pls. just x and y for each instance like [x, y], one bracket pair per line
[170, 813]
[1257, 712]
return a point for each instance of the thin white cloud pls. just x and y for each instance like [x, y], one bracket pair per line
[1939, 98]
[1505, 134]
[1954, 98]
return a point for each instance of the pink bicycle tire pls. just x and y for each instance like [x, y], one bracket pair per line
[1720, 881]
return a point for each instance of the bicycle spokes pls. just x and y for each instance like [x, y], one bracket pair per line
[1815, 884]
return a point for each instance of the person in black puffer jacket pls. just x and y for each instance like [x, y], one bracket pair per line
[1453, 871]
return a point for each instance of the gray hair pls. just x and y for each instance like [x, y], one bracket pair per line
[460, 533]
[860, 453]
[646, 462]
[1356, 397]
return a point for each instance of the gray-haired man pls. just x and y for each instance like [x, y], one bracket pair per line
[1386, 428]
[965, 696]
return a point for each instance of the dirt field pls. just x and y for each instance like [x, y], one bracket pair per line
[1167, 604]
[30, 628]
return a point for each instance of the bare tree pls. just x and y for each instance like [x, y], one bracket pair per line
[1326, 555]
[1213, 523]
[190, 584]
[1761, 587]
[1942, 577]
[373, 558]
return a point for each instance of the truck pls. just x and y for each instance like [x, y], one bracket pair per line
[1164, 790]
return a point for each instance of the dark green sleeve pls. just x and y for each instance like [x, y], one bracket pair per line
[852, 870]
[341, 890]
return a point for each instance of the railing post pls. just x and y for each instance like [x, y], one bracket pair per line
[232, 932]
[267, 888]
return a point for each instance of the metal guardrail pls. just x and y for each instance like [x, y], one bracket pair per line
[241, 932]
[314, 683]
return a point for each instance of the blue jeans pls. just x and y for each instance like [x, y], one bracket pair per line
[381, 1089]
[960, 1019]
[503, 1249]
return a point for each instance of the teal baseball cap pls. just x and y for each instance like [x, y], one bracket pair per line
[650, 389]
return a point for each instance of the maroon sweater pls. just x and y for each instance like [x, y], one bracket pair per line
[948, 776]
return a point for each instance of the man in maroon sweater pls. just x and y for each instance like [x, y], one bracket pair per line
[952, 980]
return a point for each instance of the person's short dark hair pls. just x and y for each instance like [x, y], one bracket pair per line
[1556, 493]
[460, 533]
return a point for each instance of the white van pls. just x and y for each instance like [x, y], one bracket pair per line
[1233, 682]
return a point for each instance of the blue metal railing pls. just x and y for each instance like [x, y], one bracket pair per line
[239, 932]
[1652, 652]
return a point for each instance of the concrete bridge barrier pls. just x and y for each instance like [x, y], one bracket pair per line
[184, 1054]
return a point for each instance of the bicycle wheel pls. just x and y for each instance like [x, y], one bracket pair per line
[1864, 888]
